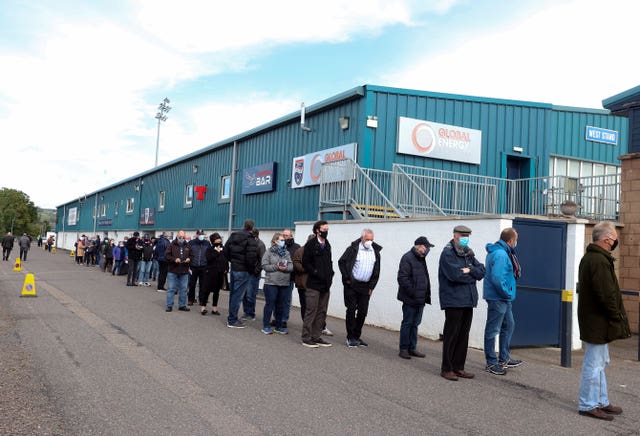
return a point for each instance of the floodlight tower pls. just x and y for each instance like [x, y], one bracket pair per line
[163, 109]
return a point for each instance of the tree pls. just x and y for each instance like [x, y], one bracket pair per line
[17, 212]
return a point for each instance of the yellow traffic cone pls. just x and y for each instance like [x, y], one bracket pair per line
[72, 253]
[17, 266]
[29, 286]
[53, 250]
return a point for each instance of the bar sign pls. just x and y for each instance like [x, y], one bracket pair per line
[605, 136]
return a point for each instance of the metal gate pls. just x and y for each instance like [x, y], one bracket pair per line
[537, 309]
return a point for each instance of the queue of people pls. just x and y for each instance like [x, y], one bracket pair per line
[205, 262]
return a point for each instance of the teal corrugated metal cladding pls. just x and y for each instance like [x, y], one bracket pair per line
[540, 129]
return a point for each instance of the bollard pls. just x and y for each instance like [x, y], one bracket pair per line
[565, 334]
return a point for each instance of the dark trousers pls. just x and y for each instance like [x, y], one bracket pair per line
[23, 253]
[455, 337]
[316, 313]
[212, 285]
[163, 267]
[6, 252]
[356, 300]
[197, 276]
[303, 302]
[132, 271]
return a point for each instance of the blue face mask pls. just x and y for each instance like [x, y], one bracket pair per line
[281, 244]
[464, 241]
[515, 244]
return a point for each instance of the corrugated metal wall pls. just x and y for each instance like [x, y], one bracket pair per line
[540, 129]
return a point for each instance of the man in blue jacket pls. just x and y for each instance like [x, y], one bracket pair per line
[458, 272]
[499, 290]
[414, 290]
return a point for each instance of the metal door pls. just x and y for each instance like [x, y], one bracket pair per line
[537, 309]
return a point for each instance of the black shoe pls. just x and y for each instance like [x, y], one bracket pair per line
[169, 309]
[404, 354]
[203, 312]
[363, 343]
[215, 312]
[415, 353]
[184, 309]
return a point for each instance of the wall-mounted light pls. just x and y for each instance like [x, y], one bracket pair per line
[344, 123]
[195, 169]
[518, 149]
[372, 121]
[136, 187]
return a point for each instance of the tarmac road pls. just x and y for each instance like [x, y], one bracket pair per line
[90, 355]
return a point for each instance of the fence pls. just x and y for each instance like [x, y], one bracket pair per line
[417, 191]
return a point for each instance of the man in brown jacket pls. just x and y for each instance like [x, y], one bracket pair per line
[602, 319]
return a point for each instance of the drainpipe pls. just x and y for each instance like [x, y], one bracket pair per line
[232, 189]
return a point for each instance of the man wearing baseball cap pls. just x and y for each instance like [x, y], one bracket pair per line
[198, 264]
[414, 290]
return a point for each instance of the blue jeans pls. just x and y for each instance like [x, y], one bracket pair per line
[249, 299]
[154, 269]
[593, 382]
[177, 283]
[275, 298]
[499, 321]
[239, 284]
[143, 273]
[411, 319]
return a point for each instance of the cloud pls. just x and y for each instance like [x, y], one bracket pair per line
[570, 53]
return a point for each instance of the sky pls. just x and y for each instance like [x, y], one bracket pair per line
[80, 82]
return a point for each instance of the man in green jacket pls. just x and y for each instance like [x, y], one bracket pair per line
[602, 319]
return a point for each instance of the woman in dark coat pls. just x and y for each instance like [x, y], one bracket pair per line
[217, 267]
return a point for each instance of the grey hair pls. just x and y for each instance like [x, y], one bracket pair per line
[365, 231]
[602, 230]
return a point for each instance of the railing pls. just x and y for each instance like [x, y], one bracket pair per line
[417, 191]
[344, 185]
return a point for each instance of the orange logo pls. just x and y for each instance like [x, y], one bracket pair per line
[423, 138]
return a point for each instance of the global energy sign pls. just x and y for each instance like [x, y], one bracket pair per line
[596, 134]
[439, 141]
[306, 169]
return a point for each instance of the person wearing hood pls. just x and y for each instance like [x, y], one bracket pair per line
[414, 290]
[458, 273]
[360, 269]
[499, 290]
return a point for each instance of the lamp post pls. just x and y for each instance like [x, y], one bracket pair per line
[163, 108]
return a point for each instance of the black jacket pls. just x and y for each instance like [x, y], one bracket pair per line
[199, 252]
[241, 250]
[134, 248]
[348, 260]
[414, 286]
[316, 261]
[458, 289]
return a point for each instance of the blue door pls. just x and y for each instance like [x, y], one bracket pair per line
[538, 306]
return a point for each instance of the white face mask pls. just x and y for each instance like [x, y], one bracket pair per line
[368, 244]
[201, 237]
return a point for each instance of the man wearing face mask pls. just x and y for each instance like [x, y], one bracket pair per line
[178, 257]
[414, 290]
[318, 264]
[360, 269]
[499, 290]
[291, 247]
[198, 264]
[602, 319]
[458, 272]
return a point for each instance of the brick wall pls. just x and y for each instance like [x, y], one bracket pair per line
[629, 235]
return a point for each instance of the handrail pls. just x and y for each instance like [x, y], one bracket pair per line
[398, 169]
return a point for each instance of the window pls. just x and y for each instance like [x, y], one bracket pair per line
[115, 208]
[161, 199]
[188, 196]
[130, 203]
[225, 187]
[103, 209]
